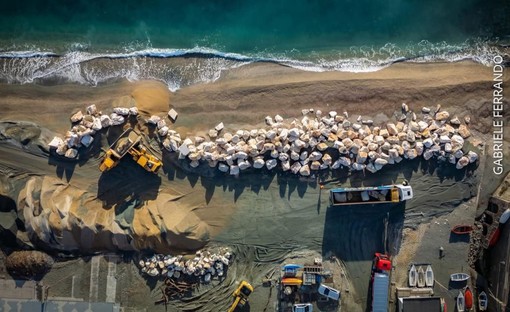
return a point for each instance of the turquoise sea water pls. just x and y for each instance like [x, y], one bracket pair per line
[93, 42]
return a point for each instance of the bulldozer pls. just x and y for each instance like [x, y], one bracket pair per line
[241, 296]
[130, 142]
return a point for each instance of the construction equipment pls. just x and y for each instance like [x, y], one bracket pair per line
[241, 295]
[380, 281]
[130, 142]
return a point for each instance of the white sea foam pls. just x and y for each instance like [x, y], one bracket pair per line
[202, 65]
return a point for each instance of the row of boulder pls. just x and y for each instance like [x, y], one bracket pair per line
[320, 141]
[317, 141]
[86, 125]
[204, 265]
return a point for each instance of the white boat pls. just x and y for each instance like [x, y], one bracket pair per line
[429, 276]
[483, 301]
[421, 277]
[412, 276]
[505, 216]
[459, 277]
[460, 302]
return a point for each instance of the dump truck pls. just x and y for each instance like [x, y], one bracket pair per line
[395, 193]
[130, 142]
[241, 296]
[380, 282]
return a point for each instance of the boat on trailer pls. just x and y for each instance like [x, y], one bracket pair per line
[459, 277]
[370, 194]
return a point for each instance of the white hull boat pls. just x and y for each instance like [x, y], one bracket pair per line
[429, 276]
[421, 277]
[460, 302]
[482, 301]
[459, 277]
[412, 276]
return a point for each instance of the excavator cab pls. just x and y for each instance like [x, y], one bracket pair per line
[110, 161]
[241, 296]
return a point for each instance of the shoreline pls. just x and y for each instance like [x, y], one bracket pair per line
[238, 90]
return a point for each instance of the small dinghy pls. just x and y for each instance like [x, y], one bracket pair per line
[494, 238]
[459, 277]
[504, 216]
[421, 277]
[468, 299]
[460, 302]
[462, 229]
[429, 276]
[483, 301]
[412, 276]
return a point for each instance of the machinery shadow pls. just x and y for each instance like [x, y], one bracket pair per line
[126, 182]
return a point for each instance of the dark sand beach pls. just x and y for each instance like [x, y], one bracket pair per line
[263, 216]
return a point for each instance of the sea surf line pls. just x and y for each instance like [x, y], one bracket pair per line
[497, 114]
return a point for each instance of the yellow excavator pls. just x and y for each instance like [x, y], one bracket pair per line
[241, 296]
[130, 142]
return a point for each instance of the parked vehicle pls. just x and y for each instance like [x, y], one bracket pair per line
[241, 295]
[370, 195]
[302, 307]
[380, 282]
[329, 292]
[380, 285]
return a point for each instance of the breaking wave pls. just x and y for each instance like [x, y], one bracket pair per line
[183, 67]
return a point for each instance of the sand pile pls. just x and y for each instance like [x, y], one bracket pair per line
[64, 217]
[151, 97]
[28, 263]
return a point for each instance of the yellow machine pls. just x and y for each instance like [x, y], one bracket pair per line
[144, 159]
[130, 142]
[241, 295]
[394, 195]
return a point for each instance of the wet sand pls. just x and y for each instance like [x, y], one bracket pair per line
[266, 215]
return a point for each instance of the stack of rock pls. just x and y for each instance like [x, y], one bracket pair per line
[205, 265]
[312, 143]
[85, 126]
[316, 142]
